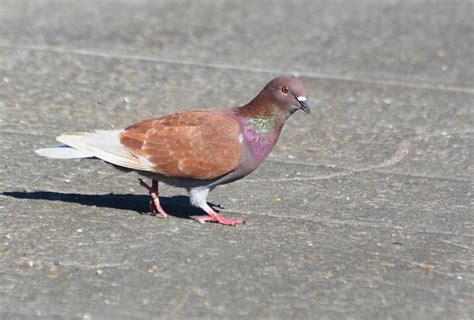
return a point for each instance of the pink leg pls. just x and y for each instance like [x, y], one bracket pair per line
[214, 217]
[155, 206]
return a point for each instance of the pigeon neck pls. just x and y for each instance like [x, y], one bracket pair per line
[261, 126]
[263, 115]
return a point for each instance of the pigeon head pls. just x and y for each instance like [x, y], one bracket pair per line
[286, 93]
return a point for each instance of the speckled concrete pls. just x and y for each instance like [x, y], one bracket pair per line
[363, 210]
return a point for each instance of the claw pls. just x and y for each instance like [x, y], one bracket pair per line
[214, 217]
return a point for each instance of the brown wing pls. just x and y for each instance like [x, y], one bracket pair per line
[200, 144]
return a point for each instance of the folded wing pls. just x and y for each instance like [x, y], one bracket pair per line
[201, 144]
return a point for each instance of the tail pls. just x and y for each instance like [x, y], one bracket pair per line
[102, 144]
[64, 151]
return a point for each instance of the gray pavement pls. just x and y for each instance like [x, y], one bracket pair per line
[363, 210]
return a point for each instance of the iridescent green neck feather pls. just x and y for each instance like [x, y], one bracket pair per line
[262, 124]
[261, 127]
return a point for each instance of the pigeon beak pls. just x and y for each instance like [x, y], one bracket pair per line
[304, 105]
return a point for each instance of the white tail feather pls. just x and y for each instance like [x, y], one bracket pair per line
[63, 152]
[103, 144]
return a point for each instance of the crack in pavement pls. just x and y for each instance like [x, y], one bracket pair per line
[126, 56]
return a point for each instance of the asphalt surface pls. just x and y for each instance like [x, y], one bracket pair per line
[362, 211]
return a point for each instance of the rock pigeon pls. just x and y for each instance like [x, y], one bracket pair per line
[197, 149]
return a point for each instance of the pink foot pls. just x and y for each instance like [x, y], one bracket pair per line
[214, 217]
[155, 206]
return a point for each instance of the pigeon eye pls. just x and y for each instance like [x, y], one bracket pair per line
[284, 89]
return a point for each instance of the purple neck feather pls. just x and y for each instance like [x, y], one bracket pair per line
[261, 123]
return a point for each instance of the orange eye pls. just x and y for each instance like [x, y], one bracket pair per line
[284, 89]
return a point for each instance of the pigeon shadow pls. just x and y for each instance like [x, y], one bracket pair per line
[176, 206]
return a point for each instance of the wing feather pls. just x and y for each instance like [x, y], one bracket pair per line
[105, 145]
[201, 144]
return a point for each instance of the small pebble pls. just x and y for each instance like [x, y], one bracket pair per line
[51, 271]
